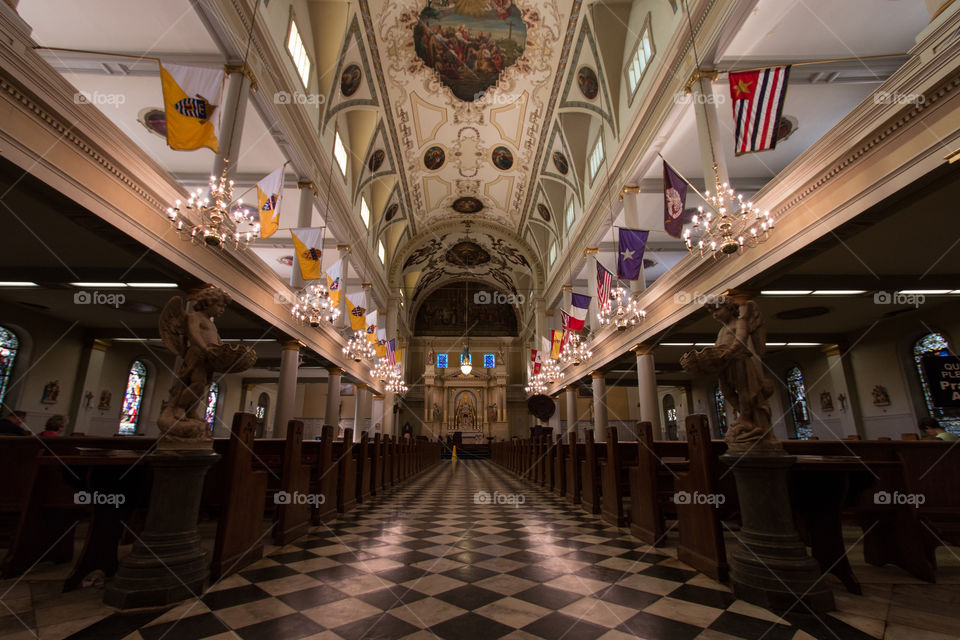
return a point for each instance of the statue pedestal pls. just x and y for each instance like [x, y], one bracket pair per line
[167, 563]
[772, 568]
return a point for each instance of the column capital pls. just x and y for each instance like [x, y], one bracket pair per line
[243, 68]
[360, 386]
[566, 287]
[308, 184]
[597, 375]
[832, 350]
[741, 296]
[707, 74]
[570, 388]
[366, 285]
[642, 349]
[335, 371]
[100, 345]
[382, 311]
[343, 247]
[548, 313]
[591, 251]
[291, 345]
[629, 188]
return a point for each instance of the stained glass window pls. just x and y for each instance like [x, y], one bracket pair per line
[441, 361]
[798, 403]
[720, 407]
[133, 398]
[9, 346]
[489, 361]
[213, 397]
[933, 344]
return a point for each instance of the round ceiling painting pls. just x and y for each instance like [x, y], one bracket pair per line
[391, 212]
[502, 158]
[433, 158]
[587, 80]
[543, 211]
[467, 254]
[560, 162]
[467, 204]
[350, 80]
[468, 43]
[376, 159]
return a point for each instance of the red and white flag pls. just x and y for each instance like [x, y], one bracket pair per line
[535, 359]
[757, 98]
[579, 306]
[604, 284]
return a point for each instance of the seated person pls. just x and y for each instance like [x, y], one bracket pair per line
[13, 424]
[932, 429]
[55, 425]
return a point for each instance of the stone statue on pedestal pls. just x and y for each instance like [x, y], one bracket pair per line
[193, 336]
[736, 361]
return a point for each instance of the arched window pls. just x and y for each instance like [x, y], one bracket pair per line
[263, 405]
[9, 346]
[798, 403]
[213, 398]
[933, 344]
[670, 415]
[133, 398]
[720, 408]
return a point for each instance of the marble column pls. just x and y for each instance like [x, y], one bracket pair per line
[540, 309]
[572, 417]
[647, 388]
[708, 129]
[842, 382]
[92, 367]
[591, 255]
[390, 323]
[287, 386]
[331, 416]
[304, 218]
[231, 127]
[361, 415]
[599, 406]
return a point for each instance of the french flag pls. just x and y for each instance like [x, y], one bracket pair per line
[579, 305]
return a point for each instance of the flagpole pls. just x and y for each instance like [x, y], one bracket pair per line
[689, 184]
[823, 61]
[252, 187]
[98, 53]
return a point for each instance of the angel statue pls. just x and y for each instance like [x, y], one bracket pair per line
[193, 336]
[736, 360]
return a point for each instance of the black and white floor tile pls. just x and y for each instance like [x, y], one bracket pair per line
[435, 559]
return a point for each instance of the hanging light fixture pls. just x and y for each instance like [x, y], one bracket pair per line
[730, 224]
[395, 383]
[358, 347]
[576, 351]
[535, 385]
[466, 366]
[214, 220]
[622, 310]
[381, 370]
[315, 306]
[551, 371]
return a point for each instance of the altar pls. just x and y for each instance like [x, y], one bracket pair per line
[473, 436]
[473, 405]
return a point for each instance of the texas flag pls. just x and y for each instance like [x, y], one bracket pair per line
[579, 306]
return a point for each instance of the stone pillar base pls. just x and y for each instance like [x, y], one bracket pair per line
[167, 563]
[772, 568]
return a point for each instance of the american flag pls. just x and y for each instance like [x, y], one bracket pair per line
[757, 98]
[391, 351]
[604, 283]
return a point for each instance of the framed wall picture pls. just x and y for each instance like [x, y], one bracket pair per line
[346, 389]
[826, 402]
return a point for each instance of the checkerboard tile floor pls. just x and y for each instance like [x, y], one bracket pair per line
[439, 558]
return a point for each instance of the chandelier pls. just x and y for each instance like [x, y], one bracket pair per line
[732, 225]
[358, 347]
[550, 370]
[381, 370]
[212, 220]
[622, 310]
[314, 305]
[576, 351]
[536, 385]
[395, 383]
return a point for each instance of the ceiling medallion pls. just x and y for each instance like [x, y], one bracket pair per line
[588, 83]
[434, 157]
[391, 212]
[560, 162]
[543, 211]
[376, 159]
[469, 43]
[467, 254]
[467, 204]
[502, 158]
[350, 80]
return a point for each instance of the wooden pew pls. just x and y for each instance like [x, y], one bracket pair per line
[615, 478]
[561, 451]
[293, 514]
[386, 476]
[646, 514]
[361, 452]
[549, 478]
[701, 532]
[574, 462]
[346, 473]
[590, 490]
[323, 476]
[376, 464]
[239, 536]
[19, 462]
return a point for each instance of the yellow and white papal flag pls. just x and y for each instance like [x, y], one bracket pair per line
[192, 97]
[307, 243]
[269, 192]
[357, 310]
[334, 282]
[372, 327]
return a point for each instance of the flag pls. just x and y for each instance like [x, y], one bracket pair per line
[604, 284]
[372, 326]
[269, 192]
[556, 339]
[630, 259]
[333, 282]
[535, 358]
[565, 323]
[307, 243]
[191, 100]
[391, 351]
[674, 201]
[757, 98]
[381, 342]
[357, 310]
[579, 306]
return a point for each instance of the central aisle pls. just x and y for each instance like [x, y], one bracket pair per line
[465, 551]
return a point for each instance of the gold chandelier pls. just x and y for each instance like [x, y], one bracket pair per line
[315, 306]
[214, 220]
[358, 347]
[730, 225]
[395, 383]
[551, 371]
[536, 385]
[381, 370]
[622, 310]
[576, 351]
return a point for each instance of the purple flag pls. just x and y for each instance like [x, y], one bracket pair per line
[630, 256]
[674, 201]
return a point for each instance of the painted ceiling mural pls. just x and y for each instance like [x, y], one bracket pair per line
[470, 84]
